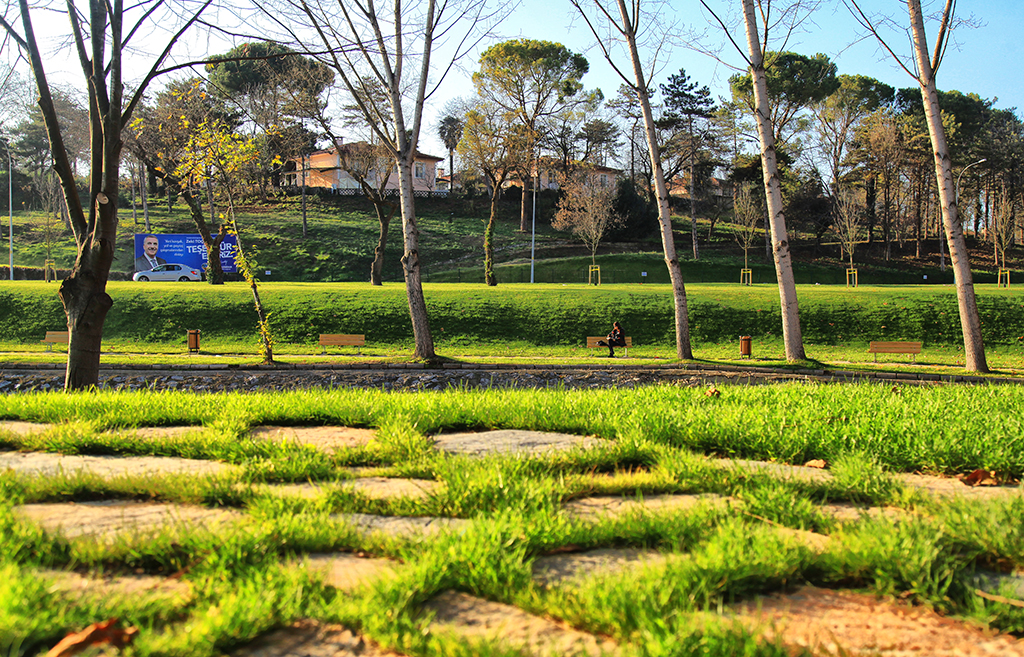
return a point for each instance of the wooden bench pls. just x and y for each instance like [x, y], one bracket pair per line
[592, 343]
[912, 348]
[56, 337]
[341, 340]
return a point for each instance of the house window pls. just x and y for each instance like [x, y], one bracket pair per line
[420, 170]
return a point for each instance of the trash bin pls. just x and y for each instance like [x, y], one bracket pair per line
[193, 341]
[746, 347]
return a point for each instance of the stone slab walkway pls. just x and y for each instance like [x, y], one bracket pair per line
[111, 519]
[512, 441]
[22, 428]
[46, 464]
[514, 629]
[325, 439]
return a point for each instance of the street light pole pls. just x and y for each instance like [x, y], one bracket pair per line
[10, 207]
[533, 229]
[942, 250]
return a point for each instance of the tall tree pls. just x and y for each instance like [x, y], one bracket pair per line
[586, 208]
[618, 24]
[761, 20]
[362, 42]
[532, 80]
[492, 142]
[450, 132]
[836, 116]
[102, 33]
[923, 69]
[690, 105]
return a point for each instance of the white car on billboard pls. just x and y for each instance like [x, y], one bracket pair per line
[169, 272]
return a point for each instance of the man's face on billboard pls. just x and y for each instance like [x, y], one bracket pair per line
[150, 245]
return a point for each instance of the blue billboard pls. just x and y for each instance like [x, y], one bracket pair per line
[152, 249]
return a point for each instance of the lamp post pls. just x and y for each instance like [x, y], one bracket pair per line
[533, 227]
[942, 250]
[10, 207]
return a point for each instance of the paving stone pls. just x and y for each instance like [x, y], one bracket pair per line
[310, 638]
[828, 622]
[409, 527]
[952, 487]
[614, 506]
[511, 627]
[148, 588]
[781, 470]
[22, 428]
[109, 519]
[347, 571]
[45, 464]
[513, 441]
[375, 488]
[325, 439]
[562, 569]
[845, 512]
[385, 488]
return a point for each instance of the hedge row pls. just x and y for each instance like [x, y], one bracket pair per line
[539, 314]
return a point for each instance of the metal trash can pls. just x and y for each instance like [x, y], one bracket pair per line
[746, 346]
[193, 341]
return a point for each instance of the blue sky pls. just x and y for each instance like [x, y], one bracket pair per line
[981, 62]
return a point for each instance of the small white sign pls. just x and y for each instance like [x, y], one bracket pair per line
[643, 273]
[926, 277]
[268, 272]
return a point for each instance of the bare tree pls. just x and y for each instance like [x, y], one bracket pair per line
[761, 20]
[620, 31]
[586, 208]
[923, 68]
[102, 33]
[366, 44]
[747, 215]
[847, 225]
[1004, 225]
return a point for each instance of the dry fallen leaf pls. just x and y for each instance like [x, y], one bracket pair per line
[815, 463]
[712, 392]
[100, 633]
[978, 477]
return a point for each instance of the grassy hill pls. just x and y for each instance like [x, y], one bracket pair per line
[342, 233]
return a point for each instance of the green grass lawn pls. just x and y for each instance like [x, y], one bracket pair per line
[522, 322]
[245, 580]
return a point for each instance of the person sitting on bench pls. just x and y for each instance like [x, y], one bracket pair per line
[617, 338]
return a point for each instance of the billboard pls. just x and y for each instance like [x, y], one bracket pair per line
[187, 249]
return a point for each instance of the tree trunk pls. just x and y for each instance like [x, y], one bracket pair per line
[974, 348]
[683, 348]
[384, 213]
[304, 196]
[411, 262]
[489, 240]
[693, 206]
[791, 334]
[524, 224]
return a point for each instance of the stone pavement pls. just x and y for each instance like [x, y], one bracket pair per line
[512, 441]
[44, 464]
